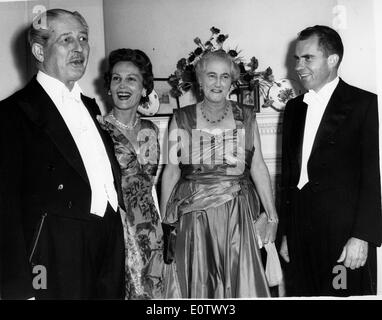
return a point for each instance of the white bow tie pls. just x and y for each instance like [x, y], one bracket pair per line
[312, 98]
[76, 96]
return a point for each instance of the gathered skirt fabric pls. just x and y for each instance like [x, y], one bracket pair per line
[217, 255]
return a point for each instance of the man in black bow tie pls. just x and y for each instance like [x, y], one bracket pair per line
[61, 233]
[331, 204]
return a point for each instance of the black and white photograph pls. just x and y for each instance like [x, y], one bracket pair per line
[190, 151]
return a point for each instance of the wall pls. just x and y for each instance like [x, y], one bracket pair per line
[165, 29]
[13, 66]
[15, 58]
[358, 33]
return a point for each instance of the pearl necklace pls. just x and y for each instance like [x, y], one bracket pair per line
[125, 126]
[217, 120]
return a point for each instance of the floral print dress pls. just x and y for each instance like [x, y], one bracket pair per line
[141, 221]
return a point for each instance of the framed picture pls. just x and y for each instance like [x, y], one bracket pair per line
[162, 122]
[166, 102]
[250, 95]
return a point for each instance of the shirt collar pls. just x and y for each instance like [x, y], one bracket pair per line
[323, 95]
[327, 90]
[56, 89]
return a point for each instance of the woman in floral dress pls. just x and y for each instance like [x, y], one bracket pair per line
[129, 81]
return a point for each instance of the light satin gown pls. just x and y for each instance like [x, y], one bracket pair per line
[213, 207]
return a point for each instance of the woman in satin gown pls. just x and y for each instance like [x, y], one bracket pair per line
[129, 81]
[211, 191]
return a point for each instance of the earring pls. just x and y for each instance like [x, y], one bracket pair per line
[144, 93]
[109, 93]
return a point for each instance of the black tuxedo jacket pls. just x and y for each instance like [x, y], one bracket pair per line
[343, 168]
[45, 199]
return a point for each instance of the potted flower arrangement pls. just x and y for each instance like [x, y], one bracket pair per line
[184, 77]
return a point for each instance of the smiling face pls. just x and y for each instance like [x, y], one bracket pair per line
[216, 80]
[65, 55]
[126, 85]
[313, 67]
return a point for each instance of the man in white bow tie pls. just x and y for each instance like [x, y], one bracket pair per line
[331, 206]
[61, 232]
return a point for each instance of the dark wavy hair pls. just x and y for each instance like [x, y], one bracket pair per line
[140, 60]
[328, 40]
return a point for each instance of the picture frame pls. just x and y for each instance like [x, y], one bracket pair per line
[249, 95]
[162, 122]
[166, 102]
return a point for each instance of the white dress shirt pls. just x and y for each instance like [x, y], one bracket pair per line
[317, 102]
[87, 139]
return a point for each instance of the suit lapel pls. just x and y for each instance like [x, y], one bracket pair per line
[335, 113]
[38, 106]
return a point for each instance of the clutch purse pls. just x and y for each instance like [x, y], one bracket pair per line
[273, 270]
[169, 241]
[260, 226]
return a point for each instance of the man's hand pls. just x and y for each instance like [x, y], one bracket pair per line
[284, 249]
[354, 253]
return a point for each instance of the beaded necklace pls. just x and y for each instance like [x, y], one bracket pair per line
[217, 120]
[125, 126]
